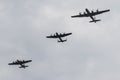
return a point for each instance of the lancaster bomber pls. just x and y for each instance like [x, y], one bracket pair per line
[59, 36]
[91, 14]
[21, 63]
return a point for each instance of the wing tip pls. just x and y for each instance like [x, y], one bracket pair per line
[9, 63]
[47, 36]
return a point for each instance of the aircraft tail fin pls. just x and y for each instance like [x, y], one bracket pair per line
[62, 40]
[95, 20]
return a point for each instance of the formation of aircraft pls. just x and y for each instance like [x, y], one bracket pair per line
[88, 13]
[59, 36]
[21, 63]
[91, 14]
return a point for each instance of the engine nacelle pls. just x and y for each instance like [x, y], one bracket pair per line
[79, 13]
[97, 10]
[92, 11]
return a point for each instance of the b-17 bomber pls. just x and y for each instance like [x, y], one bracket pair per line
[21, 63]
[91, 14]
[59, 36]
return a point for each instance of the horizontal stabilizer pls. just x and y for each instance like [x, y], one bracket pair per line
[95, 20]
[62, 41]
[23, 66]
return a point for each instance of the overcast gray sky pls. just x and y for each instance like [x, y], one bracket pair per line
[91, 52]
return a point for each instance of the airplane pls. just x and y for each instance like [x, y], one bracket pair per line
[59, 36]
[91, 14]
[21, 63]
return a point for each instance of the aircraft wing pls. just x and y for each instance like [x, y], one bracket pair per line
[54, 36]
[99, 12]
[14, 63]
[80, 15]
[65, 34]
[23, 62]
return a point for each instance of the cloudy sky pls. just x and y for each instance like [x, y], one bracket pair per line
[92, 52]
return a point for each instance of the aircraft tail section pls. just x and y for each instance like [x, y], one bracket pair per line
[95, 20]
[23, 66]
[62, 40]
